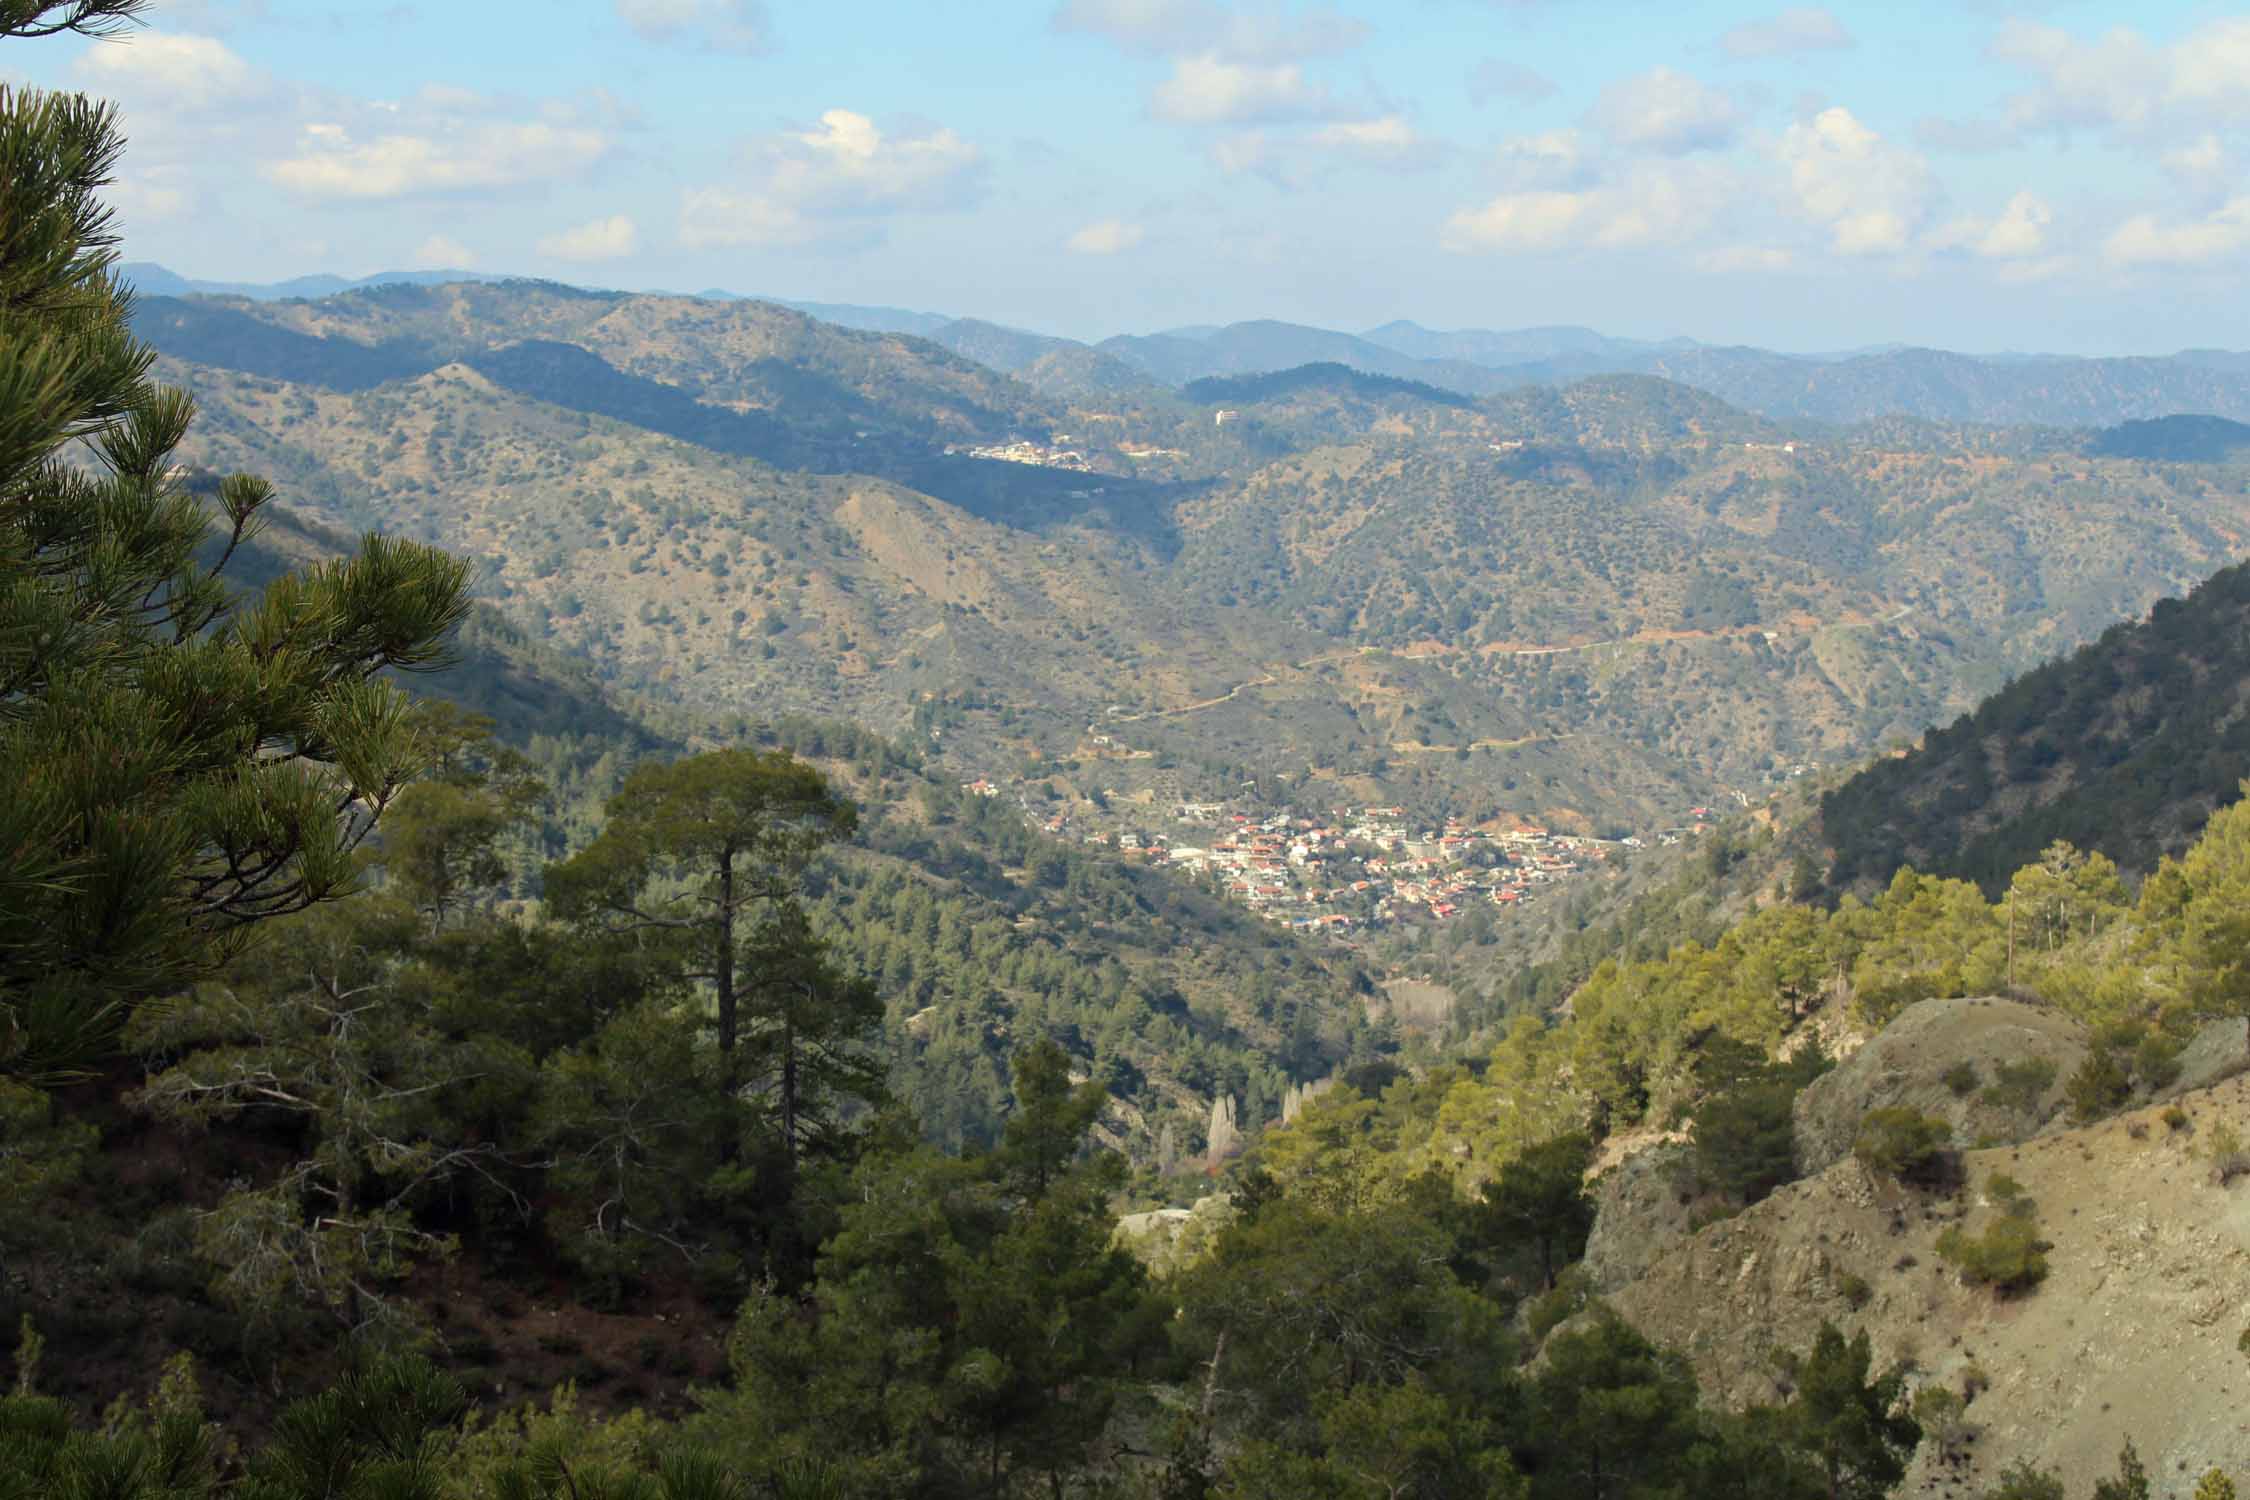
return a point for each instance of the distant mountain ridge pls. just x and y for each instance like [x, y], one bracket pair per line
[1263, 345]
[152, 280]
[1483, 346]
[1835, 389]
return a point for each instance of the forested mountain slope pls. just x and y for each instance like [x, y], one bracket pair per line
[2124, 746]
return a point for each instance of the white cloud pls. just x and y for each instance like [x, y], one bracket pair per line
[1210, 90]
[1497, 78]
[1518, 221]
[723, 25]
[1666, 112]
[1550, 159]
[173, 71]
[2019, 232]
[1292, 160]
[1871, 196]
[612, 238]
[1157, 26]
[1803, 28]
[1178, 28]
[1740, 259]
[1387, 137]
[2117, 81]
[443, 253]
[835, 182]
[2144, 240]
[143, 198]
[441, 154]
[1229, 65]
[1666, 205]
[1105, 237]
[2203, 164]
[2211, 67]
[2125, 83]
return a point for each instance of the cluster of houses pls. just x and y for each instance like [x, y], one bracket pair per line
[1024, 451]
[1354, 868]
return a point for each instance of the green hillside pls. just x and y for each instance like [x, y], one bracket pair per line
[2124, 746]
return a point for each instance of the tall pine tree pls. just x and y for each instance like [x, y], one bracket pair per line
[181, 763]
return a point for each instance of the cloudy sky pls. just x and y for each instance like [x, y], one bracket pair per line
[1970, 175]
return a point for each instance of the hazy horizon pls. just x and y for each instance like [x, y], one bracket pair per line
[1803, 178]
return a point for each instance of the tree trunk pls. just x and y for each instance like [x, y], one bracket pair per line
[789, 1095]
[724, 969]
[723, 977]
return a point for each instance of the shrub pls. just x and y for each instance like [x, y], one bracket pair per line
[2175, 1118]
[1904, 1144]
[2131, 1482]
[1944, 1420]
[2156, 1060]
[1549, 1310]
[2009, 1256]
[1854, 1289]
[2008, 1196]
[2023, 1482]
[2229, 1158]
[2021, 1085]
[1961, 1078]
[2099, 1087]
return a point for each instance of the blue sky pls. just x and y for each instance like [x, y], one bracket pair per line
[1976, 176]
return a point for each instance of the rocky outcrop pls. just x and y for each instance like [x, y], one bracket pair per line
[2219, 1052]
[2134, 1334]
[1912, 1064]
[1642, 1208]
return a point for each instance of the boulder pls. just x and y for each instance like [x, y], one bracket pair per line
[1907, 1065]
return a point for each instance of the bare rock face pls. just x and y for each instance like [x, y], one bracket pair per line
[1642, 1208]
[2219, 1051]
[1942, 1058]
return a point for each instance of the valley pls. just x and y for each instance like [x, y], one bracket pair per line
[639, 895]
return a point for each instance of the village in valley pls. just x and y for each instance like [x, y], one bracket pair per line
[1347, 870]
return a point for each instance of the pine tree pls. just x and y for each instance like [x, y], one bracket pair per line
[182, 764]
[694, 852]
[1851, 1423]
[1538, 1204]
